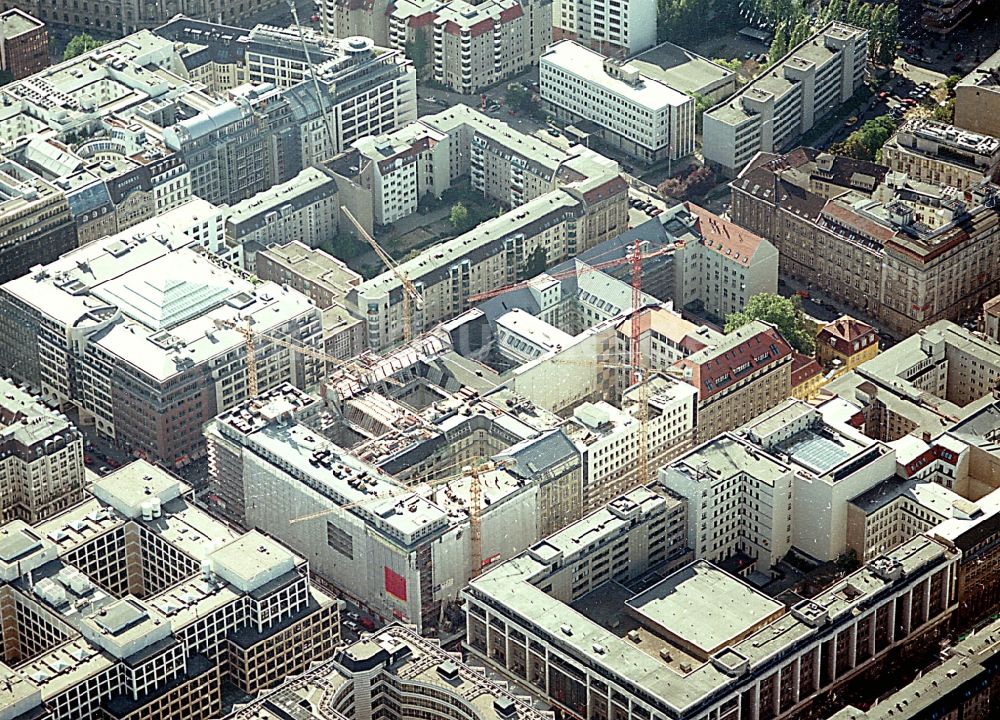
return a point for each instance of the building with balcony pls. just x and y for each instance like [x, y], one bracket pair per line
[134, 603]
[772, 112]
[633, 112]
[612, 27]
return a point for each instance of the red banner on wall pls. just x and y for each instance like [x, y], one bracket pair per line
[395, 584]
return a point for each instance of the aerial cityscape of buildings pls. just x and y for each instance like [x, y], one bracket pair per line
[499, 360]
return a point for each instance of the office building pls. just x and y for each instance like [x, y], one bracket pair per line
[223, 57]
[924, 381]
[469, 46]
[305, 210]
[24, 44]
[387, 521]
[36, 225]
[611, 27]
[403, 674]
[634, 113]
[326, 281]
[938, 153]
[771, 113]
[745, 374]
[41, 458]
[608, 437]
[136, 331]
[574, 619]
[137, 604]
[784, 479]
[977, 98]
[846, 343]
[962, 685]
[902, 252]
[115, 18]
[718, 265]
[685, 71]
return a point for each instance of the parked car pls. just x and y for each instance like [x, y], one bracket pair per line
[103, 470]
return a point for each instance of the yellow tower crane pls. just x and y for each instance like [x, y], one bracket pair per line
[411, 296]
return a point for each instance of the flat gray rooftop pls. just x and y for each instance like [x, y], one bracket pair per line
[681, 69]
[703, 607]
[819, 452]
[120, 616]
[17, 542]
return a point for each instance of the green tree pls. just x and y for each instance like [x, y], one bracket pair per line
[417, 52]
[701, 104]
[946, 112]
[800, 33]
[784, 313]
[865, 142]
[779, 45]
[518, 97]
[535, 263]
[459, 215]
[951, 81]
[735, 64]
[80, 44]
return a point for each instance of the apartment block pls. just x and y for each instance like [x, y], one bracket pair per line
[977, 98]
[399, 169]
[923, 382]
[326, 281]
[807, 377]
[902, 252]
[137, 331]
[386, 522]
[745, 374]
[345, 18]
[846, 342]
[305, 210]
[397, 670]
[772, 112]
[563, 203]
[41, 458]
[134, 603]
[718, 265]
[571, 620]
[611, 27]
[938, 153]
[634, 113]
[36, 224]
[24, 44]
[608, 438]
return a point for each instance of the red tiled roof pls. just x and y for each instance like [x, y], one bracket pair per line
[614, 186]
[421, 20]
[481, 28]
[511, 13]
[846, 217]
[803, 368]
[843, 332]
[721, 370]
[723, 236]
